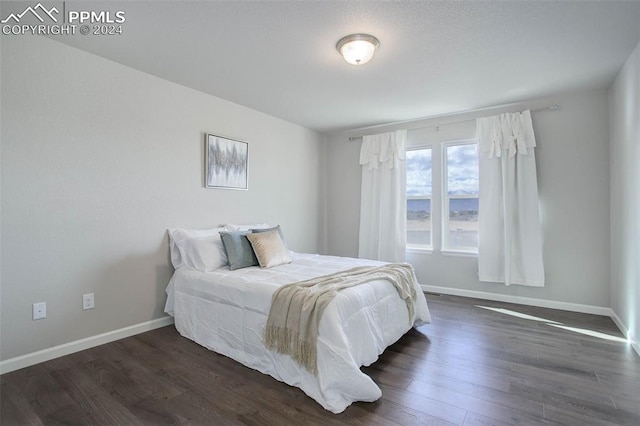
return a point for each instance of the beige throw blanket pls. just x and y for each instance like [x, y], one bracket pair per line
[296, 309]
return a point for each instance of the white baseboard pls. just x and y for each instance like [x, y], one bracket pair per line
[625, 332]
[565, 306]
[27, 360]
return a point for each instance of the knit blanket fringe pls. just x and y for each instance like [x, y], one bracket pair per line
[296, 309]
[288, 341]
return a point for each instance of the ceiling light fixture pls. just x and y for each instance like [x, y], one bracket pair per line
[358, 49]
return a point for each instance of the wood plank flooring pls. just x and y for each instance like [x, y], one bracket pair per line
[471, 366]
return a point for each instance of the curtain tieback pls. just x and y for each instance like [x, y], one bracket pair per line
[517, 145]
[518, 137]
[522, 145]
[495, 147]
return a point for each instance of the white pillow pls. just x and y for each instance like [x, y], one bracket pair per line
[204, 254]
[234, 228]
[178, 245]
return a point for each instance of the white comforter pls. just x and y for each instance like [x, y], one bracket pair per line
[226, 311]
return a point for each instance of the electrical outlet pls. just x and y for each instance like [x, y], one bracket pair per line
[87, 301]
[39, 310]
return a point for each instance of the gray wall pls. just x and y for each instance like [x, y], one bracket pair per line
[573, 175]
[624, 104]
[98, 160]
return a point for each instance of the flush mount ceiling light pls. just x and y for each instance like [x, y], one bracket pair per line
[358, 49]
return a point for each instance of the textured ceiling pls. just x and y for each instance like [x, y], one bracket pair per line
[435, 57]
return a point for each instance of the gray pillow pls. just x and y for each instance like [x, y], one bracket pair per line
[239, 250]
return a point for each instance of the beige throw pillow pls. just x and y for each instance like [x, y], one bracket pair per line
[269, 249]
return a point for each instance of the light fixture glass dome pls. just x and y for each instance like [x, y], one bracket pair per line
[358, 49]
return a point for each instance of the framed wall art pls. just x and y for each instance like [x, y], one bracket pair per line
[226, 163]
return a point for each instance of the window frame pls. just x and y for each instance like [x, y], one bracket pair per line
[445, 197]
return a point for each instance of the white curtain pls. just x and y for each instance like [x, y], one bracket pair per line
[510, 248]
[383, 205]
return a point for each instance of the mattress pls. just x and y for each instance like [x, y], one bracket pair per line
[226, 312]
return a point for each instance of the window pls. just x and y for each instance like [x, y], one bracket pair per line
[460, 196]
[419, 173]
[443, 196]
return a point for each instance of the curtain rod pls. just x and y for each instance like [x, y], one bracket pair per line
[547, 108]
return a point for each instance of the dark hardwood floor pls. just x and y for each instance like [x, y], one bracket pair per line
[472, 366]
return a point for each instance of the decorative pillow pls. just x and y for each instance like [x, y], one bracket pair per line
[178, 244]
[269, 248]
[239, 251]
[234, 228]
[275, 228]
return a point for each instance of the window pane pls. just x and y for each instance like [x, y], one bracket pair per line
[419, 197]
[462, 169]
[419, 172]
[461, 225]
[419, 222]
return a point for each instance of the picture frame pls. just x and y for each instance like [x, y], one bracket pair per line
[226, 163]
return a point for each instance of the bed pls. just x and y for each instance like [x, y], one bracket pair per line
[226, 311]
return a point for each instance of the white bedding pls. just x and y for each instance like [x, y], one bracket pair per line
[226, 311]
